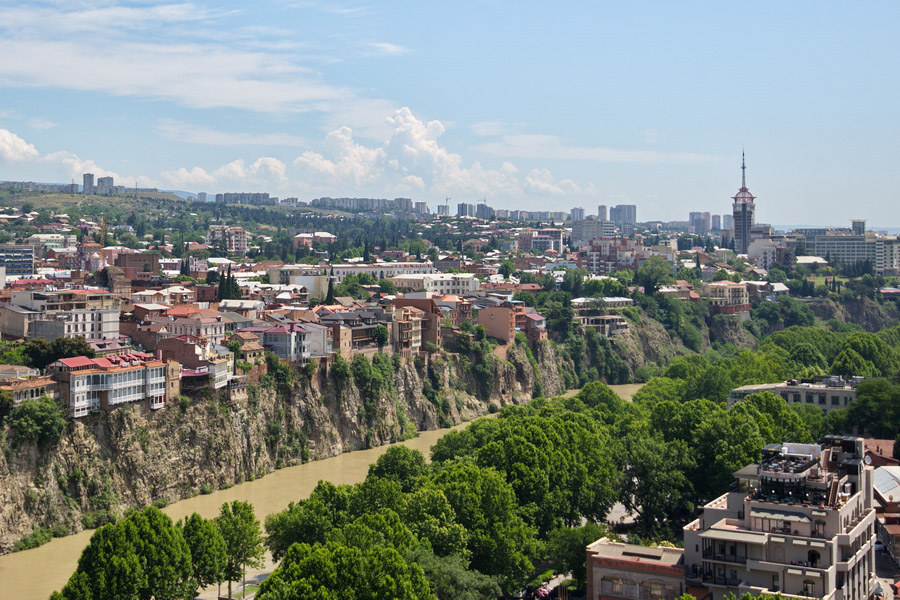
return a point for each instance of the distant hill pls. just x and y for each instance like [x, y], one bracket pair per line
[182, 194]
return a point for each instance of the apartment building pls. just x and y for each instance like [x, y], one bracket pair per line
[381, 270]
[458, 284]
[406, 330]
[828, 393]
[801, 523]
[583, 232]
[727, 297]
[18, 260]
[91, 314]
[236, 239]
[503, 322]
[87, 385]
[289, 341]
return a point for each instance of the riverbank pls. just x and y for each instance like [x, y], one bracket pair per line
[35, 574]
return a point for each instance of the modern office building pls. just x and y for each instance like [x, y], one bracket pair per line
[743, 212]
[801, 523]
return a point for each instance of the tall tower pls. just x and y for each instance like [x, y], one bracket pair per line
[743, 211]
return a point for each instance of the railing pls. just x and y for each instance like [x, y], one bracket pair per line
[635, 592]
[724, 557]
[721, 580]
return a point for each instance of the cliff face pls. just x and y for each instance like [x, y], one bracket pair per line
[129, 457]
[866, 313]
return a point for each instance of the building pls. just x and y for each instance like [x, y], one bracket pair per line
[697, 224]
[443, 210]
[235, 239]
[744, 213]
[727, 297]
[90, 314]
[23, 383]
[716, 222]
[105, 186]
[828, 393]
[87, 385]
[503, 322]
[617, 571]
[483, 211]
[623, 214]
[584, 232]
[799, 523]
[576, 214]
[727, 222]
[87, 186]
[459, 284]
[17, 259]
[420, 208]
[602, 213]
[854, 245]
[465, 210]
[381, 270]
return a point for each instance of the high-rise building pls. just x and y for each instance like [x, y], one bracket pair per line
[443, 210]
[727, 222]
[421, 208]
[716, 222]
[483, 211]
[576, 214]
[696, 224]
[601, 213]
[706, 222]
[744, 212]
[88, 183]
[105, 186]
[465, 210]
[201, 197]
[623, 214]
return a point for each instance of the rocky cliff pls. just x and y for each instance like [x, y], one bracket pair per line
[129, 457]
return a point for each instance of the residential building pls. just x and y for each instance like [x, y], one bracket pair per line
[727, 222]
[743, 210]
[236, 239]
[504, 321]
[23, 383]
[605, 325]
[716, 222]
[381, 270]
[105, 186]
[465, 210]
[727, 297]
[87, 183]
[801, 523]
[602, 212]
[887, 506]
[289, 341]
[90, 384]
[458, 284]
[17, 259]
[576, 214]
[133, 263]
[432, 314]
[483, 211]
[406, 330]
[584, 232]
[617, 571]
[623, 214]
[828, 393]
[91, 314]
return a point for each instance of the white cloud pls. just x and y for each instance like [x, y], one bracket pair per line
[41, 124]
[536, 146]
[495, 128]
[540, 181]
[194, 134]
[15, 149]
[387, 49]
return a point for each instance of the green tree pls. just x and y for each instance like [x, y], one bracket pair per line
[565, 548]
[653, 273]
[400, 464]
[207, 547]
[850, 364]
[381, 336]
[506, 269]
[329, 295]
[40, 419]
[41, 353]
[243, 539]
[450, 577]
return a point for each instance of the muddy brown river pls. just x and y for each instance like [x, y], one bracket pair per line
[34, 574]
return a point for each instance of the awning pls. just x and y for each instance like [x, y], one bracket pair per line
[799, 542]
[779, 515]
[794, 572]
[734, 536]
[776, 539]
[817, 544]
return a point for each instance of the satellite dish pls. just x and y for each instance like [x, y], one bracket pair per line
[868, 459]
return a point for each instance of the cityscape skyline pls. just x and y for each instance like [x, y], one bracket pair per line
[309, 100]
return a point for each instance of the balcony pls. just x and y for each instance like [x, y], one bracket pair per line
[635, 592]
[709, 554]
[711, 579]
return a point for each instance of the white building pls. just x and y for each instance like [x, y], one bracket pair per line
[381, 270]
[458, 284]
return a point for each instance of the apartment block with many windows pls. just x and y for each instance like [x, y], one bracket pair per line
[800, 524]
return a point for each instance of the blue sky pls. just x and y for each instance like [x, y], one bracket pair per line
[530, 105]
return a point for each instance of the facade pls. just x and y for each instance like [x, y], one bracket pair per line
[406, 330]
[623, 214]
[743, 211]
[503, 322]
[236, 239]
[18, 260]
[584, 232]
[602, 212]
[87, 183]
[28, 387]
[801, 523]
[727, 297]
[458, 284]
[105, 186]
[91, 314]
[617, 571]
[853, 245]
[576, 214]
[90, 384]
[379, 271]
[828, 393]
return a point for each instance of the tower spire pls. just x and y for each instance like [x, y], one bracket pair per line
[743, 171]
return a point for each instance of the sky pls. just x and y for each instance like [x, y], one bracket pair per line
[528, 105]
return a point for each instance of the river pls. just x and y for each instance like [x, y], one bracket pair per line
[34, 574]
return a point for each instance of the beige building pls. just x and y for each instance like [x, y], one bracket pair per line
[91, 314]
[828, 393]
[727, 297]
[458, 284]
[236, 239]
[801, 523]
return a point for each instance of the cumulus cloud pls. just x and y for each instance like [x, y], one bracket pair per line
[540, 181]
[14, 149]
